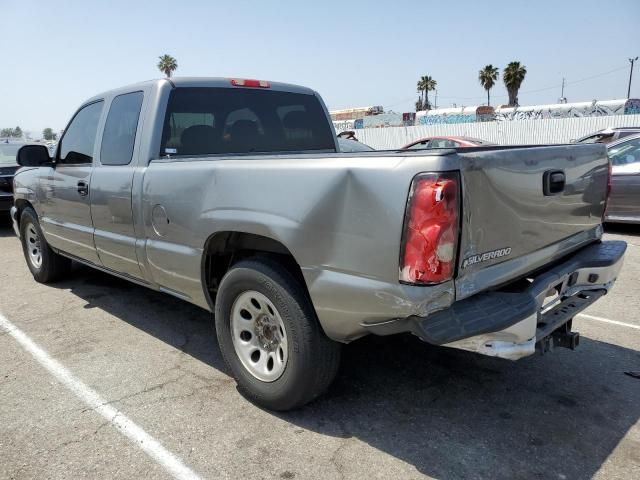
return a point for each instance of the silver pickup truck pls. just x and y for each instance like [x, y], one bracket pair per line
[233, 195]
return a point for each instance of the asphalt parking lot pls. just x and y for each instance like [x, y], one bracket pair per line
[399, 408]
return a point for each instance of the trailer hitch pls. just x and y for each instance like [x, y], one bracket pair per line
[563, 337]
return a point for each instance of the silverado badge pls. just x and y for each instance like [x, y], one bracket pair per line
[483, 257]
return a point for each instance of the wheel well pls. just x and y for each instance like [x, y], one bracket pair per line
[20, 205]
[223, 249]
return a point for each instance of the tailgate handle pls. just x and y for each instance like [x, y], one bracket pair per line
[553, 182]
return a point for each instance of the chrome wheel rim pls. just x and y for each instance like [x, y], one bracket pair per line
[259, 336]
[33, 245]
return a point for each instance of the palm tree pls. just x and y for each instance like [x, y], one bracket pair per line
[426, 84]
[513, 76]
[488, 76]
[420, 88]
[167, 65]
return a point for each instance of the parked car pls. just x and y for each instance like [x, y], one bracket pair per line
[446, 142]
[624, 200]
[349, 146]
[8, 167]
[232, 195]
[609, 135]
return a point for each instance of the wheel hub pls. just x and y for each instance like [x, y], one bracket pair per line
[266, 330]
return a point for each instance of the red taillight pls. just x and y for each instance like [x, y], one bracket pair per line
[239, 82]
[430, 236]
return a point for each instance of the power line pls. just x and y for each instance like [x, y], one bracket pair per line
[524, 92]
[598, 75]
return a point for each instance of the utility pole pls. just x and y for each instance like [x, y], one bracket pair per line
[631, 61]
[562, 99]
[435, 102]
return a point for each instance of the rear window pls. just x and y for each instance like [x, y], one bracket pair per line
[203, 121]
[626, 133]
[443, 143]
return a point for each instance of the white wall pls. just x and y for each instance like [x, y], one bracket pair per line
[557, 130]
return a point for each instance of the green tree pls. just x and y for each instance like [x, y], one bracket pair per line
[513, 76]
[17, 132]
[48, 134]
[6, 132]
[487, 77]
[426, 84]
[167, 65]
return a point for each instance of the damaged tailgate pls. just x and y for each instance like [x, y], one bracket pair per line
[524, 207]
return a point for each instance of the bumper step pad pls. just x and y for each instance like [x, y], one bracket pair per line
[494, 311]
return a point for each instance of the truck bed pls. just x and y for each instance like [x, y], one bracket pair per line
[341, 217]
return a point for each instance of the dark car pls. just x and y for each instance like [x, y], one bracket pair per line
[8, 167]
[445, 142]
[609, 135]
[624, 200]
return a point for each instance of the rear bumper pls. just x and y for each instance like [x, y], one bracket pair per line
[509, 322]
[622, 218]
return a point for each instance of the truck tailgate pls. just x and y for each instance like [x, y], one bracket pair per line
[512, 223]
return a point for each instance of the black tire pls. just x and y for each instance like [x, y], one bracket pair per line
[51, 266]
[313, 359]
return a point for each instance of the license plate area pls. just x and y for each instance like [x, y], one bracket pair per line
[557, 315]
[552, 298]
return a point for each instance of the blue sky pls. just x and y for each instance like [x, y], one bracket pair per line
[355, 53]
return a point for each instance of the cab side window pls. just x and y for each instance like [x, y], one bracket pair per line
[76, 146]
[627, 153]
[119, 134]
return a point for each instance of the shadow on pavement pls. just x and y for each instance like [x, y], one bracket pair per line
[6, 230]
[449, 413]
[623, 228]
[453, 414]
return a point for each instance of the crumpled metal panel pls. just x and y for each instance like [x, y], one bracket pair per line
[340, 216]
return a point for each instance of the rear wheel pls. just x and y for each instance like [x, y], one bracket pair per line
[259, 336]
[270, 337]
[45, 265]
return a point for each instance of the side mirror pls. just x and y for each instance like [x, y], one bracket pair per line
[33, 156]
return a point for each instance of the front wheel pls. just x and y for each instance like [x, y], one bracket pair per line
[45, 264]
[270, 337]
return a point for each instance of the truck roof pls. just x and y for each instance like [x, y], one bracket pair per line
[220, 82]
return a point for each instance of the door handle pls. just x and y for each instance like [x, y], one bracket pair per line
[83, 188]
[553, 182]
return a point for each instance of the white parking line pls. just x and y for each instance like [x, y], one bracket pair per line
[606, 320]
[172, 464]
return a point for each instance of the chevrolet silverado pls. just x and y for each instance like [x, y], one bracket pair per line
[234, 195]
